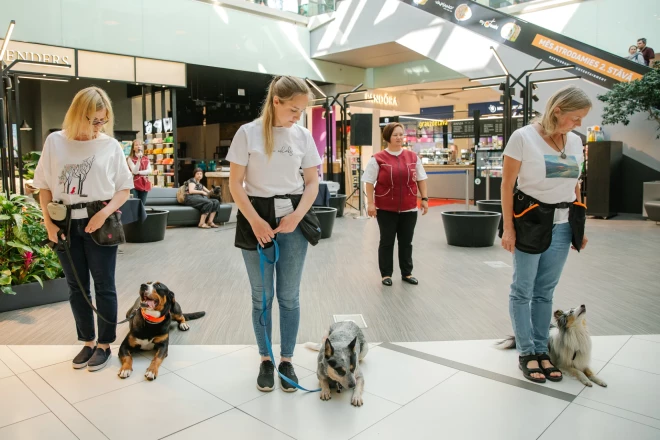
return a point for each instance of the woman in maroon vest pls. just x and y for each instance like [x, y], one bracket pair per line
[393, 177]
[139, 165]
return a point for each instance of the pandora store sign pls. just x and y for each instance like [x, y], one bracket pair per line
[37, 52]
[389, 100]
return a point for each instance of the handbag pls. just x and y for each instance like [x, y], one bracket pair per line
[111, 233]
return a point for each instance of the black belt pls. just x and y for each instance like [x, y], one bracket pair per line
[562, 205]
[78, 206]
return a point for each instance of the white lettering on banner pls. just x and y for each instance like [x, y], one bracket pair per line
[445, 6]
[12, 55]
[384, 99]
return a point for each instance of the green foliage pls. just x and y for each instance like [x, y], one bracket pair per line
[22, 257]
[626, 99]
[30, 161]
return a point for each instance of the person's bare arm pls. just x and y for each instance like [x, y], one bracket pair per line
[290, 222]
[510, 172]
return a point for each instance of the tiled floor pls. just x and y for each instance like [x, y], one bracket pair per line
[453, 390]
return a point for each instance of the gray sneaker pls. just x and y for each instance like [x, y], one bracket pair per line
[99, 359]
[266, 379]
[81, 360]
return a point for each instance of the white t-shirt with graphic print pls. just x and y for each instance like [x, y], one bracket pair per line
[82, 171]
[293, 148]
[544, 175]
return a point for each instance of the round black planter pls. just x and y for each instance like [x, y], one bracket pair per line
[326, 219]
[490, 205]
[32, 295]
[150, 230]
[470, 228]
[338, 201]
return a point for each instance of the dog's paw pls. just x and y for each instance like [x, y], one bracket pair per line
[587, 383]
[151, 375]
[599, 382]
[357, 401]
[325, 395]
[124, 373]
[184, 327]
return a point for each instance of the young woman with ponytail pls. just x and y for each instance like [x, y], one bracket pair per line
[266, 156]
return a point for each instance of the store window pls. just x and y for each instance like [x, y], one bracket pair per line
[308, 8]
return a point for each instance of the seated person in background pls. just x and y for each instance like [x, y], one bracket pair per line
[197, 196]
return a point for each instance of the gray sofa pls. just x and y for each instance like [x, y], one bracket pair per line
[181, 215]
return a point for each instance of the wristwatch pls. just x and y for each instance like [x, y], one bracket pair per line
[425, 199]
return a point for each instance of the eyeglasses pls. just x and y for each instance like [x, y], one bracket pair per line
[97, 122]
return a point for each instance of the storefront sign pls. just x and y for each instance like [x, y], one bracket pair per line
[492, 108]
[592, 64]
[38, 52]
[429, 124]
[384, 99]
[487, 127]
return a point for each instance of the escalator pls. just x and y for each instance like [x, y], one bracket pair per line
[591, 64]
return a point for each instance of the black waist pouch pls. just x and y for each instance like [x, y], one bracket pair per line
[112, 231]
[533, 222]
[577, 217]
[265, 207]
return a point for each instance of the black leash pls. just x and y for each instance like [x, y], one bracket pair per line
[63, 243]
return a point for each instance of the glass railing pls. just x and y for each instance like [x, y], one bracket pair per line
[308, 8]
[496, 4]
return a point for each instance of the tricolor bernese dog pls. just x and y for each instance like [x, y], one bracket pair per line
[150, 326]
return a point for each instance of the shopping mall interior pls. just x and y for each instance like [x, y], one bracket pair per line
[460, 77]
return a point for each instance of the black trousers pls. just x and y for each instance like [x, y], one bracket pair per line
[399, 225]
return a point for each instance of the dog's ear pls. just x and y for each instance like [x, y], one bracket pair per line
[170, 296]
[351, 346]
[558, 314]
[329, 350]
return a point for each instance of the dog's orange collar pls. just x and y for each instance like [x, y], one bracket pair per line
[152, 319]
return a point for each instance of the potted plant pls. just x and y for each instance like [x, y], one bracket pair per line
[628, 98]
[30, 273]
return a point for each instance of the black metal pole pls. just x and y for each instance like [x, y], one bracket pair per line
[144, 106]
[174, 137]
[153, 103]
[343, 147]
[526, 101]
[445, 136]
[3, 146]
[507, 110]
[10, 141]
[476, 114]
[19, 149]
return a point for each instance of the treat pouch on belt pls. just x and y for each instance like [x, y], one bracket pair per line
[265, 207]
[534, 220]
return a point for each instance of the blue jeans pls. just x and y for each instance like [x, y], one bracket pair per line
[535, 277]
[100, 261]
[287, 274]
[142, 195]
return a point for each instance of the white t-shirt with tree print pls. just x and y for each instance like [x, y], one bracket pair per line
[82, 171]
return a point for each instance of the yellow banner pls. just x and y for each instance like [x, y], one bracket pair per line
[583, 59]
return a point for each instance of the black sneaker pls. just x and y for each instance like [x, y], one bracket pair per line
[286, 368]
[266, 380]
[80, 361]
[99, 359]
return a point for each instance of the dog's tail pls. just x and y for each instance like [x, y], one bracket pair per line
[191, 316]
[507, 344]
[313, 346]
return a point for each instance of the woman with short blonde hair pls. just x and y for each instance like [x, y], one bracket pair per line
[82, 164]
[545, 158]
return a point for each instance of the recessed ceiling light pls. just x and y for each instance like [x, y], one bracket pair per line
[111, 22]
[108, 80]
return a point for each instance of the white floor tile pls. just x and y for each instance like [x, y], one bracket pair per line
[639, 354]
[644, 420]
[398, 377]
[234, 424]
[39, 356]
[151, 410]
[233, 377]
[579, 422]
[77, 385]
[5, 371]
[652, 338]
[18, 402]
[470, 407]
[605, 347]
[62, 409]
[182, 356]
[483, 354]
[11, 360]
[45, 427]
[304, 416]
[628, 389]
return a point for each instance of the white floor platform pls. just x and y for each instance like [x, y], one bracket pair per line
[411, 392]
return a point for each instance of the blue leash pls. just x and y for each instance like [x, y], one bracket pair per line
[263, 259]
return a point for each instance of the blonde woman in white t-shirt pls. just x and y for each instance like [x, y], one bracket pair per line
[546, 158]
[80, 164]
[266, 156]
